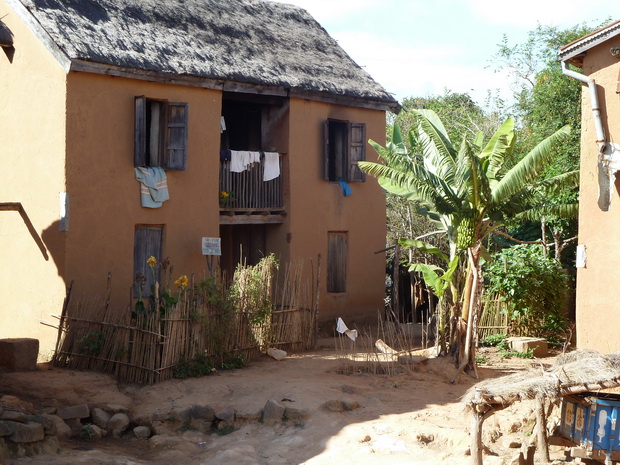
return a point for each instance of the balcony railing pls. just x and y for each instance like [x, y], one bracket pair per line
[247, 192]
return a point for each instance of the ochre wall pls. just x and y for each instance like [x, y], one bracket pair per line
[32, 141]
[598, 304]
[105, 196]
[75, 133]
[318, 206]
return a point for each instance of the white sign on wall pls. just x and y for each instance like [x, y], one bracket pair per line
[211, 246]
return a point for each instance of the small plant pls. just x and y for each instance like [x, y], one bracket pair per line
[87, 432]
[233, 362]
[200, 366]
[226, 199]
[481, 359]
[187, 427]
[92, 343]
[493, 340]
[223, 431]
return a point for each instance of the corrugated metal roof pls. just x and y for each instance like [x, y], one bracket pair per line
[571, 52]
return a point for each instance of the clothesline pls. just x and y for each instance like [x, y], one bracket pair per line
[241, 160]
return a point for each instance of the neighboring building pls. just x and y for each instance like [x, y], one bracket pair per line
[598, 306]
[91, 89]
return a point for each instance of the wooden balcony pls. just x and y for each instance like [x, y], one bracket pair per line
[246, 199]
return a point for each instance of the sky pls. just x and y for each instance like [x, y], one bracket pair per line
[420, 48]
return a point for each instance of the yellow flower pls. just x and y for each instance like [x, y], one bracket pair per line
[152, 261]
[182, 282]
[225, 194]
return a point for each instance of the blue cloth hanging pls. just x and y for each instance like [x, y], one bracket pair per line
[346, 189]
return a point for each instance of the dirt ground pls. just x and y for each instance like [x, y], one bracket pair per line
[407, 416]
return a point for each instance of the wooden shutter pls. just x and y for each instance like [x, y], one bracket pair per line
[357, 152]
[175, 154]
[326, 150]
[148, 242]
[337, 261]
[139, 140]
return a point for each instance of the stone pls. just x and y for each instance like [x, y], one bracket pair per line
[248, 416]
[181, 414]
[47, 411]
[276, 354]
[15, 402]
[295, 414]
[92, 432]
[75, 411]
[29, 432]
[14, 415]
[227, 426]
[63, 430]
[523, 344]
[334, 405]
[6, 428]
[350, 404]
[273, 412]
[202, 412]
[226, 414]
[100, 417]
[161, 416]
[49, 425]
[116, 408]
[142, 432]
[19, 354]
[75, 425]
[164, 427]
[118, 423]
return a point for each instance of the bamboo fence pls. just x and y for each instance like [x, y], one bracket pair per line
[493, 317]
[145, 348]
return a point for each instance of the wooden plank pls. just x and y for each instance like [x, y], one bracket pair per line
[139, 141]
[357, 151]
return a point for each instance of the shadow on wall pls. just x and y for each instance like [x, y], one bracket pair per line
[54, 240]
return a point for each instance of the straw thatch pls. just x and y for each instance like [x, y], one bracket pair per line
[576, 372]
[245, 41]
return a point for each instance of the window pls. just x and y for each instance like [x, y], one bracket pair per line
[148, 242]
[337, 261]
[345, 145]
[160, 137]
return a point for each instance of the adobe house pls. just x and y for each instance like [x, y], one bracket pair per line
[249, 113]
[598, 306]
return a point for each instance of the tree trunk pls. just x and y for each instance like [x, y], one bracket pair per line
[468, 349]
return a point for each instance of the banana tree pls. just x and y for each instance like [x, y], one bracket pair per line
[469, 193]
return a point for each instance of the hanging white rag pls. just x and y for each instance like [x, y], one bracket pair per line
[272, 166]
[254, 157]
[343, 329]
[239, 160]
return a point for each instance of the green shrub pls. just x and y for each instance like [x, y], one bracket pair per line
[534, 288]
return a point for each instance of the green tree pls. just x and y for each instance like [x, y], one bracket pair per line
[546, 100]
[468, 193]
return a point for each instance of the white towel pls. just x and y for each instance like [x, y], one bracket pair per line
[343, 329]
[254, 157]
[238, 160]
[272, 166]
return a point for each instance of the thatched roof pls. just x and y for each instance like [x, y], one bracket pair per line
[573, 373]
[253, 42]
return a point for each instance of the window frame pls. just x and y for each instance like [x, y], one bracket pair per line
[172, 132]
[341, 163]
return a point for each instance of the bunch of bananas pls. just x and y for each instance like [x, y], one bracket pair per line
[466, 232]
